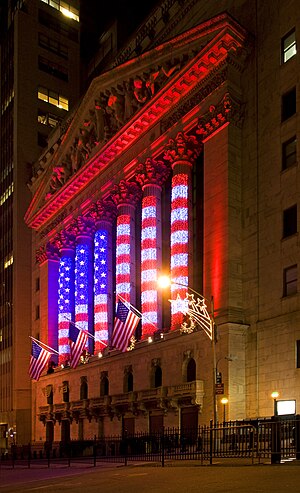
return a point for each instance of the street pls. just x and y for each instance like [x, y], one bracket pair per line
[149, 478]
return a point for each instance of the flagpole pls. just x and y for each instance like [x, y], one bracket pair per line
[88, 333]
[135, 309]
[43, 344]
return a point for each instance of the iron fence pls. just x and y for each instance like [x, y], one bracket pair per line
[272, 439]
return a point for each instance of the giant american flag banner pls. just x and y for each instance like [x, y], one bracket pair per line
[123, 256]
[149, 265]
[65, 305]
[179, 244]
[82, 262]
[101, 289]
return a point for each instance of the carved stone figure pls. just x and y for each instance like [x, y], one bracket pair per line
[139, 92]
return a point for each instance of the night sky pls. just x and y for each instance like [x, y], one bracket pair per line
[98, 14]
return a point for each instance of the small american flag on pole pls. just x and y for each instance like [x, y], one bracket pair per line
[125, 324]
[38, 360]
[77, 340]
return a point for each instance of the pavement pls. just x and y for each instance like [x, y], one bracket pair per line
[225, 475]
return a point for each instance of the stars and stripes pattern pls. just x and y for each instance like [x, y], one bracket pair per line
[123, 256]
[78, 341]
[100, 289]
[125, 323]
[149, 265]
[65, 305]
[179, 243]
[38, 360]
[82, 262]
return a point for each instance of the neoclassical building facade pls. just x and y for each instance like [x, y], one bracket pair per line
[153, 176]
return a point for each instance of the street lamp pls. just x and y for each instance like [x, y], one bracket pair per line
[197, 311]
[275, 396]
[224, 401]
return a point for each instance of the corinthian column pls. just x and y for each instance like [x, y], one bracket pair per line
[66, 244]
[151, 176]
[84, 231]
[126, 196]
[103, 213]
[182, 153]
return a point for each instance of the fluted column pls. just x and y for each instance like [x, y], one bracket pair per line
[182, 153]
[126, 195]
[66, 245]
[151, 176]
[84, 231]
[103, 213]
[48, 259]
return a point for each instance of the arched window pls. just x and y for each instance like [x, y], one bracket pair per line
[191, 370]
[128, 380]
[104, 384]
[83, 388]
[158, 377]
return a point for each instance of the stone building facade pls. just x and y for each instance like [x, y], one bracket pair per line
[175, 162]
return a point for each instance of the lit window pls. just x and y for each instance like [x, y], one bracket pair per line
[6, 194]
[65, 8]
[53, 98]
[289, 153]
[290, 221]
[290, 280]
[288, 46]
[8, 261]
[288, 104]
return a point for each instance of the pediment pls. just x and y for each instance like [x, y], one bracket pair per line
[123, 104]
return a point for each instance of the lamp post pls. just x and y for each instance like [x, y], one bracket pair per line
[206, 322]
[224, 401]
[275, 396]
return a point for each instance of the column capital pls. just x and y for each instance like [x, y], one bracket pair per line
[83, 226]
[182, 149]
[152, 172]
[66, 240]
[49, 251]
[126, 193]
[103, 210]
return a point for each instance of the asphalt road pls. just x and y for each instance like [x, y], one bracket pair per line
[150, 479]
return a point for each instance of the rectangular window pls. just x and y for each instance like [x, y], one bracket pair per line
[288, 46]
[48, 119]
[65, 8]
[52, 97]
[290, 280]
[289, 153]
[37, 284]
[37, 312]
[53, 46]
[288, 104]
[290, 221]
[53, 68]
